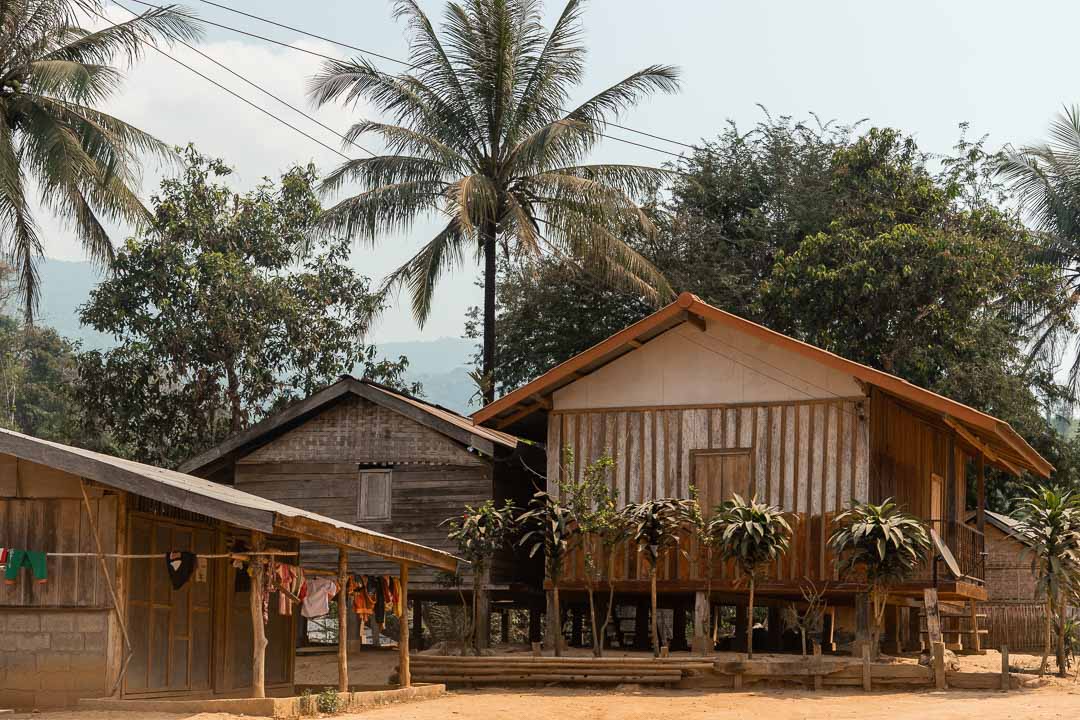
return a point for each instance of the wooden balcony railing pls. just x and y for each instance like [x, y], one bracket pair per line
[967, 545]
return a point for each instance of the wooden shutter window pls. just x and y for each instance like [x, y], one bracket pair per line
[374, 497]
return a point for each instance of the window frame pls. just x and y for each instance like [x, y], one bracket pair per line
[361, 493]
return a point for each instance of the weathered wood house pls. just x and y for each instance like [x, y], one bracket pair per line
[106, 620]
[692, 395]
[1014, 607]
[360, 452]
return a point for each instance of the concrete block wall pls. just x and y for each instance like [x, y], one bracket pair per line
[51, 658]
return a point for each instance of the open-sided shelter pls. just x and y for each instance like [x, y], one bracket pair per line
[107, 620]
[693, 395]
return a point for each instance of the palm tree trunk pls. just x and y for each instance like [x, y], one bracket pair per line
[557, 620]
[488, 232]
[750, 623]
[652, 598]
[1045, 664]
[1061, 635]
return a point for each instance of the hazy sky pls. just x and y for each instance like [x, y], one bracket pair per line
[923, 67]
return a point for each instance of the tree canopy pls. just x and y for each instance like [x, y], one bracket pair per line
[223, 310]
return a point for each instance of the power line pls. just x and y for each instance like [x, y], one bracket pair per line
[226, 89]
[261, 89]
[399, 61]
[196, 18]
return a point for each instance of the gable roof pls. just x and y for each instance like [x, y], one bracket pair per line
[456, 427]
[221, 502]
[1006, 524]
[1001, 444]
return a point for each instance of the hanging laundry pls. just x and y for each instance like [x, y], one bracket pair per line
[317, 601]
[289, 581]
[395, 587]
[375, 587]
[32, 559]
[3, 559]
[363, 601]
[180, 566]
[388, 594]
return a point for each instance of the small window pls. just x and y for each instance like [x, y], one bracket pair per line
[373, 502]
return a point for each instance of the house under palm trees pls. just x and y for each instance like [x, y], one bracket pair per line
[692, 395]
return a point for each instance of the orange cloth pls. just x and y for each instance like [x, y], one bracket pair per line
[363, 602]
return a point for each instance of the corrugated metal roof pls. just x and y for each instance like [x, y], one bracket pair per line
[222, 502]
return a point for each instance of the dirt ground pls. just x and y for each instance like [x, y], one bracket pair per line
[1049, 699]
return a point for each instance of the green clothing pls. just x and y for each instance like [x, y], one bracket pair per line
[18, 559]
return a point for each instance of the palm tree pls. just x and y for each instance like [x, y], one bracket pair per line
[1050, 518]
[84, 162]
[1046, 179]
[551, 530]
[753, 535]
[654, 529]
[885, 545]
[478, 133]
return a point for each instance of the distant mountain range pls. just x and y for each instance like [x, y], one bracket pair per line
[441, 365]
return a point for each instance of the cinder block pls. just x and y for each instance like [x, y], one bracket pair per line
[89, 663]
[53, 662]
[58, 622]
[67, 641]
[20, 661]
[94, 641]
[50, 699]
[56, 680]
[32, 641]
[23, 622]
[92, 622]
[22, 680]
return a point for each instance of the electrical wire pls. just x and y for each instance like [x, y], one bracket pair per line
[196, 18]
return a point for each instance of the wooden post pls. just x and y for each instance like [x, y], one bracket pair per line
[536, 650]
[258, 630]
[417, 636]
[897, 645]
[939, 664]
[980, 490]
[818, 682]
[504, 626]
[121, 508]
[678, 627]
[700, 644]
[1005, 681]
[343, 620]
[866, 667]
[739, 644]
[483, 614]
[536, 630]
[976, 640]
[404, 671]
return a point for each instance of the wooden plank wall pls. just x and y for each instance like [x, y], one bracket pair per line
[908, 447]
[809, 458]
[421, 497]
[59, 525]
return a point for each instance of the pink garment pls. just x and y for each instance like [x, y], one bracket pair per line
[317, 601]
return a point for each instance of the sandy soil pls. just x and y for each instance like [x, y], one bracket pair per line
[1054, 698]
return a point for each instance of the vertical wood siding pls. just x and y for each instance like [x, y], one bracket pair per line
[809, 458]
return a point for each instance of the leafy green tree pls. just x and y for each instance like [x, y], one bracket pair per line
[1046, 181]
[655, 527]
[753, 535]
[54, 75]
[222, 311]
[479, 133]
[480, 534]
[549, 529]
[599, 525]
[883, 546]
[1050, 518]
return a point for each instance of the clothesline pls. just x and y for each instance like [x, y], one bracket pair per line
[158, 556]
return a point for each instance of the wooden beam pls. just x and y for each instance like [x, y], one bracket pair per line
[258, 630]
[695, 320]
[981, 446]
[634, 343]
[343, 621]
[404, 671]
[515, 416]
[372, 543]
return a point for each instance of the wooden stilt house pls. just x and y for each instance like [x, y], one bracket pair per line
[692, 395]
[90, 609]
[360, 452]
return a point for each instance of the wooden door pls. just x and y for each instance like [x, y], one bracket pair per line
[170, 629]
[719, 474]
[937, 503]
